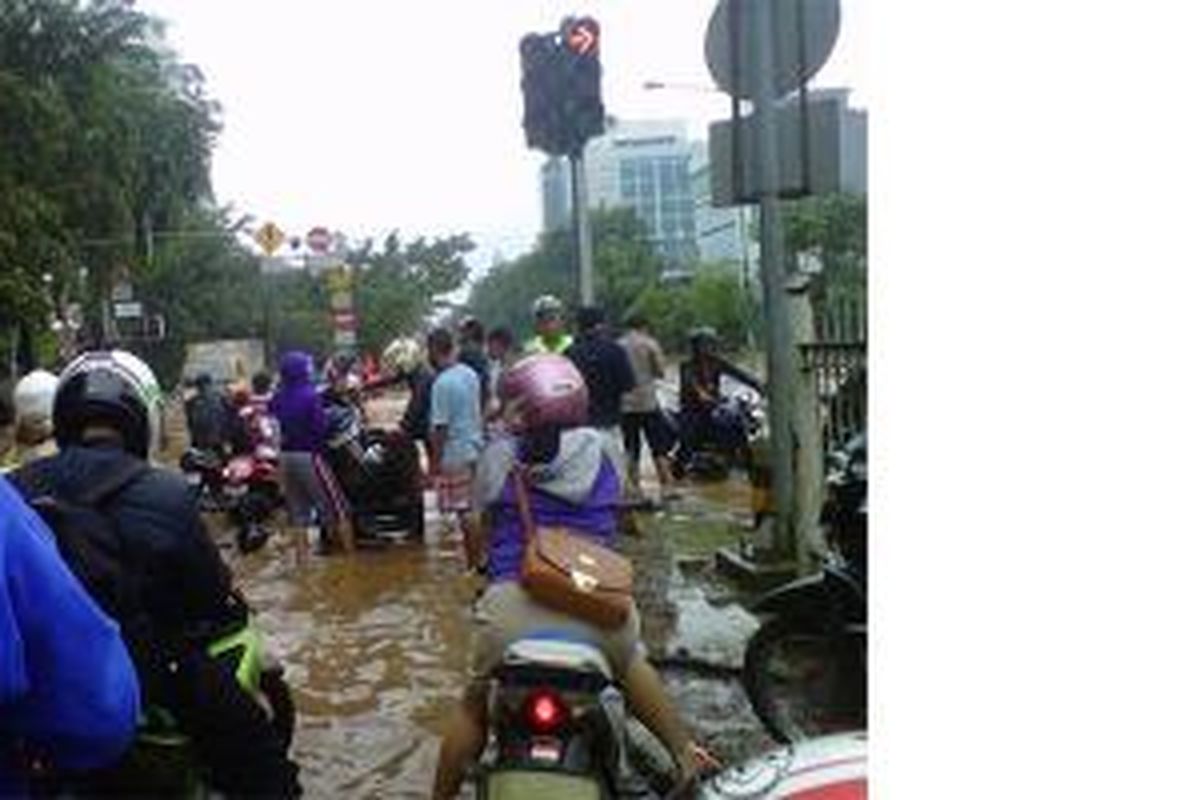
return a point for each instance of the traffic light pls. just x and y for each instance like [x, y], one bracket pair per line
[560, 81]
[541, 87]
[585, 106]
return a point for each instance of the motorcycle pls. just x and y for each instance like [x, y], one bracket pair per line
[720, 444]
[558, 727]
[805, 668]
[252, 483]
[204, 471]
[826, 768]
[378, 470]
[162, 760]
[244, 487]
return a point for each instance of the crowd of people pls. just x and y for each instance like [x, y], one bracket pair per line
[136, 578]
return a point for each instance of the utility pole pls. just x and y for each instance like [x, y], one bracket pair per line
[781, 361]
[583, 233]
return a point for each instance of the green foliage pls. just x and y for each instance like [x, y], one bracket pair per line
[835, 228]
[105, 145]
[626, 265]
[399, 283]
[102, 134]
[299, 311]
[835, 225]
[713, 297]
[206, 286]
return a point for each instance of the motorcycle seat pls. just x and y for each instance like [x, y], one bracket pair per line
[557, 652]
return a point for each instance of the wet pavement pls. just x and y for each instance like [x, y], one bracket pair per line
[375, 644]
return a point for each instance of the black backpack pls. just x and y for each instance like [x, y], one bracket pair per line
[90, 545]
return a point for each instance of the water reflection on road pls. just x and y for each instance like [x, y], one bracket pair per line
[375, 648]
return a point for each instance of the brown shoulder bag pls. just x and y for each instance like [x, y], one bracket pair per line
[567, 572]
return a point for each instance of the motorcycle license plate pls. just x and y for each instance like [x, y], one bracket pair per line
[540, 785]
[193, 478]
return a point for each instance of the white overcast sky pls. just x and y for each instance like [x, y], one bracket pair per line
[372, 115]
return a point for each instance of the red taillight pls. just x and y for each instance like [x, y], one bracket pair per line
[545, 711]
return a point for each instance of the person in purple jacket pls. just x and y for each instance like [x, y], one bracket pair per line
[309, 485]
[575, 482]
[69, 695]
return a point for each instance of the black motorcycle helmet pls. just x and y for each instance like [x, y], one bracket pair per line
[703, 339]
[112, 388]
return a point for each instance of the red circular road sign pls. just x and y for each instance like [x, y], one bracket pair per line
[319, 239]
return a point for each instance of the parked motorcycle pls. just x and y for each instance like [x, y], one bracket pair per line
[378, 470]
[558, 727]
[253, 485]
[805, 669]
[244, 487]
[710, 451]
[204, 471]
[826, 768]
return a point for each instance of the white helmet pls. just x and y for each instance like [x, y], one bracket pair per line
[402, 356]
[33, 400]
[113, 387]
[548, 307]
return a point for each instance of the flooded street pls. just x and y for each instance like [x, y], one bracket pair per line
[375, 644]
[375, 647]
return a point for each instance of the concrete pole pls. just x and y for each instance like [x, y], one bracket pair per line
[583, 232]
[781, 362]
[810, 466]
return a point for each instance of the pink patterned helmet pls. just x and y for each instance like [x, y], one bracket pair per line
[543, 390]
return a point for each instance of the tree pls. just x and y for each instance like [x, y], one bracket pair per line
[205, 285]
[834, 227]
[104, 137]
[399, 284]
[625, 262]
[714, 297]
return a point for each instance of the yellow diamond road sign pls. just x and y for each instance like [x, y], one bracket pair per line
[269, 238]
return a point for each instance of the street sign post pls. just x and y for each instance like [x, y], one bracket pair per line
[810, 161]
[761, 50]
[801, 36]
[270, 238]
[319, 239]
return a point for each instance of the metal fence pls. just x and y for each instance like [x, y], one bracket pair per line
[839, 360]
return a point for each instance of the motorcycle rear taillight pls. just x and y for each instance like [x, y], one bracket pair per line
[545, 712]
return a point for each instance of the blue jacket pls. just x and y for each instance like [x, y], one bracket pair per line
[68, 690]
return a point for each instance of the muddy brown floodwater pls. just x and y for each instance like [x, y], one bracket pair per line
[375, 647]
[375, 644]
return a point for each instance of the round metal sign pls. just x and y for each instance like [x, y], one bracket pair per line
[796, 58]
[319, 239]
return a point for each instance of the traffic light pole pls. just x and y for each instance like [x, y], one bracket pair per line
[583, 232]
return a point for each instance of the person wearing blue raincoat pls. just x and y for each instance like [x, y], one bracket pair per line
[69, 695]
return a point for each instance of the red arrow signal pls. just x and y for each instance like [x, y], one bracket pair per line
[584, 36]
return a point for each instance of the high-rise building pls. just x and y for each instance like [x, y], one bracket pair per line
[651, 167]
[644, 165]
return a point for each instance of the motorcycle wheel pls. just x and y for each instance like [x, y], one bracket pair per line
[802, 683]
